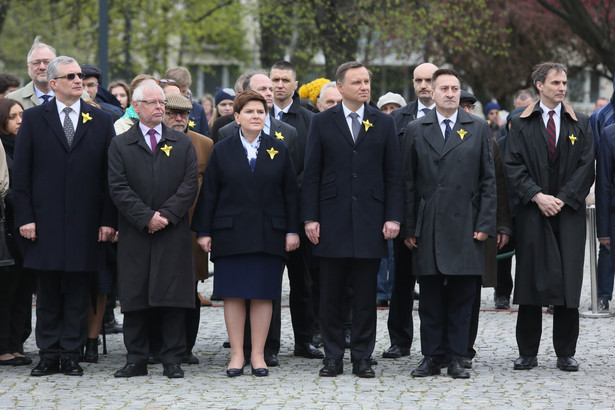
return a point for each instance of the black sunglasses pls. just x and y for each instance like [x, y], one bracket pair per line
[71, 76]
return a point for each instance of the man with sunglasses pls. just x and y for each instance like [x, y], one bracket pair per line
[64, 211]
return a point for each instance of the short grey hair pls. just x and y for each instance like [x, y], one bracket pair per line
[52, 68]
[38, 44]
[324, 87]
[137, 94]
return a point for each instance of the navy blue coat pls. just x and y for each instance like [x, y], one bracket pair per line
[245, 211]
[352, 188]
[63, 190]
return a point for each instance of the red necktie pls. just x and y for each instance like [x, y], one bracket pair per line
[551, 133]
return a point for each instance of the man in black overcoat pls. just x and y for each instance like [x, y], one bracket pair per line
[62, 206]
[351, 204]
[549, 163]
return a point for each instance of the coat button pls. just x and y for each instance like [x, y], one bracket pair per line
[354, 198]
[354, 152]
[354, 174]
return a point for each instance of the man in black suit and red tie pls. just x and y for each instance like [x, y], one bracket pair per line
[63, 207]
[351, 204]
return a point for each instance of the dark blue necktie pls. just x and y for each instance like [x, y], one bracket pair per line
[447, 130]
[46, 98]
[252, 163]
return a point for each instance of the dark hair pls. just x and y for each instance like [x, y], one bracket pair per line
[8, 80]
[542, 70]
[340, 74]
[444, 71]
[5, 110]
[284, 65]
[245, 97]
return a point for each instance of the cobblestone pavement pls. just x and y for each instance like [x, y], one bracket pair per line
[295, 383]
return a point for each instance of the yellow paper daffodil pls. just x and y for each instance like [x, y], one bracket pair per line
[166, 149]
[573, 139]
[279, 135]
[86, 117]
[191, 123]
[462, 133]
[367, 124]
[272, 152]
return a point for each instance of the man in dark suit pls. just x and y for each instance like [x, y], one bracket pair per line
[450, 209]
[63, 206]
[400, 324]
[351, 204]
[153, 180]
[549, 162]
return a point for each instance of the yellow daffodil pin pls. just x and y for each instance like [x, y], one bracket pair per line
[573, 139]
[191, 123]
[86, 117]
[367, 124]
[462, 133]
[166, 149]
[272, 152]
[279, 135]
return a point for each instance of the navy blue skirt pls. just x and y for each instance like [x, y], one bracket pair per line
[249, 276]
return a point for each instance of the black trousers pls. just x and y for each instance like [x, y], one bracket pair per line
[474, 320]
[565, 330]
[172, 327]
[193, 319]
[333, 276]
[61, 313]
[504, 285]
[445, 309]
[300, 280]
[399, 323]
[15, 308]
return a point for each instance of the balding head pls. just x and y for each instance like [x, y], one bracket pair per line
[422, 82]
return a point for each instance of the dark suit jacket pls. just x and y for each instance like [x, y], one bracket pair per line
[352, 188]
[63, 189]
[450, 193]
[299, 118]
[245, 211]
[404, 116]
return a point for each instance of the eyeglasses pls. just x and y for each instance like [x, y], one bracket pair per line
[152, 103]
[36, 63]
[71, 76]
[91, 85]
[174, 113]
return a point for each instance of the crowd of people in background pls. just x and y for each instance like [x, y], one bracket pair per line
[124, 192]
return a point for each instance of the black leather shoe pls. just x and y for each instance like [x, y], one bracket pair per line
[173, 371]
[309, 351]
[332, 368]
[567, 364]
[317, 340]
[363, 368]
[260, 372]
[226, 344]
[21, 361]
[112, 327]
[131, 370]
[189, 358]
[502, 302]
[525, 362]
[382, 303]
[427, 367]
[395, 352]
[373, 361]
[456, 370]
[272, 360]
[234, 372]
[46, 367]
[91, 350]
[465, 362]
[70, 367]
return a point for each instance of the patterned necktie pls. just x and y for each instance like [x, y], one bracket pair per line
[551, 133]
[356, 125]
[447, 130]
[152, 139]
[69, 128]
[45, 98]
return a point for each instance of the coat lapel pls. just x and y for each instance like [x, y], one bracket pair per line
[432, 132]
[459, 133]
[82, 126]
[368, 115]
[337, 113]
[136, 137]
[53, 120]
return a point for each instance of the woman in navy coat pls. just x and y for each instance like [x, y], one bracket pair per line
[247, 217]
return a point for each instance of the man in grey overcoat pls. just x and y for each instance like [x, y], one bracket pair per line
[549, 163]
[153, 181]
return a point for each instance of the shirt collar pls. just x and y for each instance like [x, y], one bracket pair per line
[347, 110]
[453, 118]
[39, 92]
[276, 109]
[76, 106]
[545, 109]
[144, 129]
[420, 106]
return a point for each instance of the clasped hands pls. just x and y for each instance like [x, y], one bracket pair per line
[548, 204]
[157, 223]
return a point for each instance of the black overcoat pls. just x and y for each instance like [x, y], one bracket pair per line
[549, 271]
[63, 189]
[450, 193]
[154, 269]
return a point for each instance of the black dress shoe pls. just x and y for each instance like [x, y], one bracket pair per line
[112, 327]
[465, 362]
[363, 368]
[317, 340]
[226, 344]
[332, 368]
[189, 358]
[21, 361]
[70, 367]
[272, 360]
[383, 303]
[525, 362]
[373, 361]
[567, 364]
[427, 367]
[307, 350]
[173, 371]
[456, 370]
[91, 350]
[131, 370]
[395, 352]
[46, 367]
[234, 372]
[260, 372]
